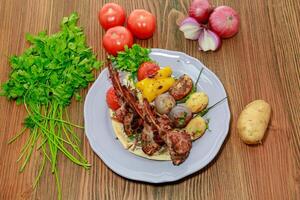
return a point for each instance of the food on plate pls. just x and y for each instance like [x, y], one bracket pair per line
[224, 21]
[197, 102]
[253, 121]
[45, 78]
[111, 15]
[112, 99]
[177, 142]
[164, 103]
[150, 122]
[152, 87]
[130, 59]
[141, 23]
[164, 72]
[147, 70]
[180, 115]
[116, 38]
[182, 87]
[196, 127]
[208, 25]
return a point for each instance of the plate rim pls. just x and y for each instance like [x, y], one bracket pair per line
[166, 178]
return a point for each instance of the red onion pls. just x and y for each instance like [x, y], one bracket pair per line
[208, 40]
[200, 10]
[224, 21]
[191, 28]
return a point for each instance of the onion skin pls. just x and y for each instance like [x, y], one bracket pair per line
[224, 21]
[200, 10]
[209, 41]
[191, 28]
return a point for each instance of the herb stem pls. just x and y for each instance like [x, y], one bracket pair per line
[205, 111]
[17, 136]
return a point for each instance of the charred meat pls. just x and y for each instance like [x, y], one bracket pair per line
[178, 142]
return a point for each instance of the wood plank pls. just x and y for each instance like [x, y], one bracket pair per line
[261, 62]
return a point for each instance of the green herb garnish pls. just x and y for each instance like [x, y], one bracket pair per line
[45, 78]
[205, 111]
[181, 119]
[131, 137]
[130, 59]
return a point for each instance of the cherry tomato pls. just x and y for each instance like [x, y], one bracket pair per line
[116, 38]
[112, 99]
[141, 23]
[147, 69]
[110, 15]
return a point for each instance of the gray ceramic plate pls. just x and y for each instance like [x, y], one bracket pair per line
[104, 143]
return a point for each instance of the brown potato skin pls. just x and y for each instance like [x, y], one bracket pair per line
[181, 87]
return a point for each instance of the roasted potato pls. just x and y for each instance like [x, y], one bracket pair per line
[196, 127]
[253, 121]
[197, 102]
[180, 115]
[164, 103]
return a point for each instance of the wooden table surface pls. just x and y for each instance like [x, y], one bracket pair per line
[261, 62]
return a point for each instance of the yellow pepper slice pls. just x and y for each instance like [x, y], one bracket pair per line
[164, 73]
[160, 83]
[151, 87]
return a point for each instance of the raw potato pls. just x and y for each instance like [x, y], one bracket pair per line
[253, 121]
[197, 102]
[196, 127]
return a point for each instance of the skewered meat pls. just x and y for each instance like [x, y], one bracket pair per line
[178, 142]
[149, 146]
[120, 113]
[181, 87]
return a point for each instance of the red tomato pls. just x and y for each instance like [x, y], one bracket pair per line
[147, 69]
[112, 99]
[141, 23]
[116, 38]
[110, 15]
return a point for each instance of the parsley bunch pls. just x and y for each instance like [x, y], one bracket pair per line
[130, 59]
[45, 78]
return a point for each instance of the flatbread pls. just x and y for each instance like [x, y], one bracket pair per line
[128, 144]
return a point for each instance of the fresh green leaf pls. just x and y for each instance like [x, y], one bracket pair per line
[45, 78]
[130, 59]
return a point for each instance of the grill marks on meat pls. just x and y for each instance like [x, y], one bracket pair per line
[129, 113]
[127, 123]
[131, 121]
[149, 146]
[120, 113]
[182, 87]
[178, 142]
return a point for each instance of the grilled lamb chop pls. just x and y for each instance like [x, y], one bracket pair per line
[178, 141]
[149, 146]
